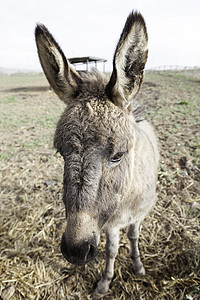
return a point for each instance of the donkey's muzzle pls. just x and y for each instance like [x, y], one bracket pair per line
[81, 253]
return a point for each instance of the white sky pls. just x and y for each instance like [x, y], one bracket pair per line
[93, 27]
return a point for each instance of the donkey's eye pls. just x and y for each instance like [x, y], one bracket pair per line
[117, 157]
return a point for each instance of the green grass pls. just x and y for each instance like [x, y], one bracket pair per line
[9, 99]
[183, 102]
[177, 114]
[27, 119]
[5, 155]
[22, 80]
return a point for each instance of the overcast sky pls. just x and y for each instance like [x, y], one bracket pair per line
[93, 27]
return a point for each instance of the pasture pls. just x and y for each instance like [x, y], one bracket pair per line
[32, 216]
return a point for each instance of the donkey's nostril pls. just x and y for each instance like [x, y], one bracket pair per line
[91, 252]
[63, 247]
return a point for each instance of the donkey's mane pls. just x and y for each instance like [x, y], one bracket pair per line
[93, 85]
[138, 111]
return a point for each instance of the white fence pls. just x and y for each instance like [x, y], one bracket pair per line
[193, 72]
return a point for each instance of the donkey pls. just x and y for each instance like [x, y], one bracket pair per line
[109, 149]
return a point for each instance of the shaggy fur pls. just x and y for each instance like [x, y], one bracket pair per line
[109, 149]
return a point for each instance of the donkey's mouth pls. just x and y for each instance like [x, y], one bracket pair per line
[81, 254]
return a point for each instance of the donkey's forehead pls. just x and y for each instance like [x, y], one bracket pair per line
[93, 124]
[102, 117]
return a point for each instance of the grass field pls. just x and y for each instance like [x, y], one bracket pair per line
[32, 216]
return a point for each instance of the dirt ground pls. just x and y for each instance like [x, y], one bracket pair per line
[32, 216]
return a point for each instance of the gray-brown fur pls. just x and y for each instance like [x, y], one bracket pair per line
[109, 149]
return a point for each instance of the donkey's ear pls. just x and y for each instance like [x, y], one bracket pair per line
[129, 61]
[62, 77]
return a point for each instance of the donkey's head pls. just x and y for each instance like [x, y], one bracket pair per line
[95, 134]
